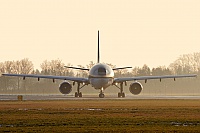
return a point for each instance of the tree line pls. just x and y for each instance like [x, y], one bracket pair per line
[185, 64]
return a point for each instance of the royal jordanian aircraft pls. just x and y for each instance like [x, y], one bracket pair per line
[101, 76]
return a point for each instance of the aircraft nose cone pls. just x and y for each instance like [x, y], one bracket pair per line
[99, 83]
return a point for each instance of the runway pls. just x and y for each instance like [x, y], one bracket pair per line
[90, 97]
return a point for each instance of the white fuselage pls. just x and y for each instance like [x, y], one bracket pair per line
[101, 76]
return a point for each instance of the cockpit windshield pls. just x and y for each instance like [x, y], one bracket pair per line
[101, 71]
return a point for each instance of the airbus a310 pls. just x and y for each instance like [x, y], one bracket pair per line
[100, 77]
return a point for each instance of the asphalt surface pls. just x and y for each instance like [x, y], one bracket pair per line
[91, 97]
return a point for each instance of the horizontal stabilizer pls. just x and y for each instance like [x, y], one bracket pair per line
[121, 68]
[78, 68]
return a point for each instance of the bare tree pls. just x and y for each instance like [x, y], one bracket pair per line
[144, 71]
[89, 66]
[161, 70]
[45, 67]
[8, 66]
[82, 73]
[187, 63]
[26, 66]
[52, 67]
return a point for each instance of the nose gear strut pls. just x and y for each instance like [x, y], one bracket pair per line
[101, 95]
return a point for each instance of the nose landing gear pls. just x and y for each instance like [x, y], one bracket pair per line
[101, 95]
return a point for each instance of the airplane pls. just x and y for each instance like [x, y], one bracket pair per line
[100, 77]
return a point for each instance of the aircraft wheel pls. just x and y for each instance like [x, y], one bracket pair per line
[101, 95]
[123, 94]
[119, 94]
[76, 94]
[80, 94]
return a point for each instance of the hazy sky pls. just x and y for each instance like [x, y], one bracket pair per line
[132, 32]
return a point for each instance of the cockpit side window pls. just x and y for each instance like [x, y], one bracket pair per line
[101, 71]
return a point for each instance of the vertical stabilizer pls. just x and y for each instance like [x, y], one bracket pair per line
[98, 50]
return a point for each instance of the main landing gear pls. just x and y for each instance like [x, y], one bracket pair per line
[78, 93]
[121, 93]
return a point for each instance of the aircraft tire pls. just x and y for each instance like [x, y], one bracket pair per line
[123, 94]
[101, 95]
[76, 94]
[80, 94]
[119, 94]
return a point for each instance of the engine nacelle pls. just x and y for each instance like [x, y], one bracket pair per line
[65, 88]
[135, 88]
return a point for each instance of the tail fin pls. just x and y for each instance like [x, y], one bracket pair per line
[98, 60]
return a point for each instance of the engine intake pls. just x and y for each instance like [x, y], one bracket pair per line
[65, 88]
[135, 88]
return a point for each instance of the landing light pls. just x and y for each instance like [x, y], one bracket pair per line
[115, 83]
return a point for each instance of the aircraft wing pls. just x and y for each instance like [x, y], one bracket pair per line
[76, 79]
[123, 79]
